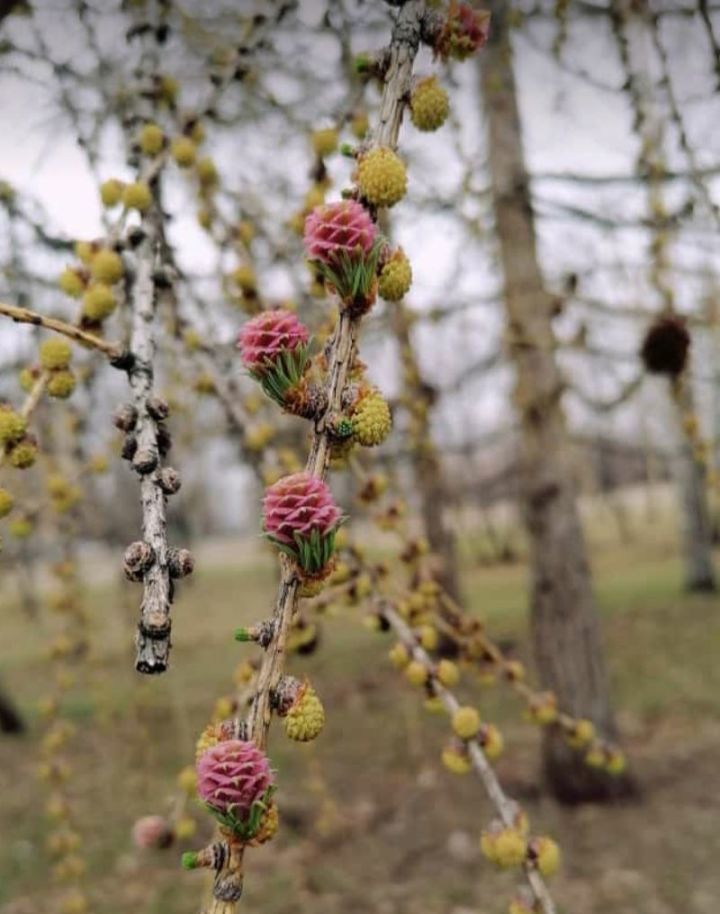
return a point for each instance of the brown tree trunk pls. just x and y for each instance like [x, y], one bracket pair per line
[10, 720]
[696, 525]
[565, 631]
[427, 466]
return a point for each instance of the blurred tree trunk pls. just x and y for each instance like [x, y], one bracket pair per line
[696, 524]
[566, 637]
[634, 29]
[10, 720]
[426, 462]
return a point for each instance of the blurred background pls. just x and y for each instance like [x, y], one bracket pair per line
[562, 226]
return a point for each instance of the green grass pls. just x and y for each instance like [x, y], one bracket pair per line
[371, 821]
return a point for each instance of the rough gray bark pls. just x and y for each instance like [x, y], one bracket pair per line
[696, 524]
[565, 631]
[427, 465]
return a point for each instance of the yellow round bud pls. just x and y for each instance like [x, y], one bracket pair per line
[324, 142]
[547, 856]
[22, 456]
[85, 251]
[306, 717]
[183, 150]
[151, 139]
[395, 277]
[12, 425]
[456, 760]
[168, 89]
[428, 637]
[371, 419]
[582, 733]
[98, 302]
[111, 192]
[416, 673]
[55, 354]
[514, 670]
[71, 282]
[61, 384]
[399, 656]
[106, 266]
[466, 722]
[506, 848]
[492, 741]
[137, 196]
[207, 172]
[381, 176]
[244, 277]
[448, 673]
[429, 104]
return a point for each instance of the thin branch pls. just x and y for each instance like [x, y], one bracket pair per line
[20, 315]
[504, 806]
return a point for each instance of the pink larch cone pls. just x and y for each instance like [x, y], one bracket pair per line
[232, 776]
[267, 335]
[152, 831]
[334, 228]
[299, 504]
[466, 30]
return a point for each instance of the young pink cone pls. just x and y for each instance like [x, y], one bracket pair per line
[466, 30]
[264, 338]
[336, 228]
[299, 504]
[232, 775]
[152, 831]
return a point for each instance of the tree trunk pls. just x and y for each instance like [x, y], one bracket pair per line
[565, 631]
[427, 465]
[696, 525]
[10, 720]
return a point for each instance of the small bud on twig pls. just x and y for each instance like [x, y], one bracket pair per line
[144, 461]
[125, 417]
[169, 480]
[138, 559]
[180, 562]
[158, 408]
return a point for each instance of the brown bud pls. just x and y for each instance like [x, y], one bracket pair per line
[144, 461]
[138, 559]
[158, 408]
[285, 693]
[129, 447]
[180, 562]
[164, 441]
[263, 632]
[125, 417]
[169, 480]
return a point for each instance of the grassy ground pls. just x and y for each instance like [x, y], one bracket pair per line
[372, 823]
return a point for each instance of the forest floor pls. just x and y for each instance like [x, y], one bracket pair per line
[371, 820]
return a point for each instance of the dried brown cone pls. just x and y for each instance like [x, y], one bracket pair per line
[305, 400]
[666, 346]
